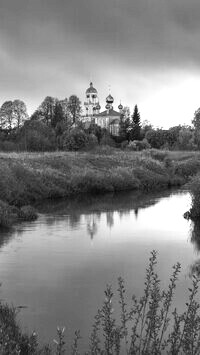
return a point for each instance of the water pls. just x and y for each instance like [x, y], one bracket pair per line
[57, 267]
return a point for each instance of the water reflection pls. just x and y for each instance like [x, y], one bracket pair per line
[91, 225]
[195, 239]
[122, 202]
[52, 267]
[71, 211]
[5, 236]
[195, 234]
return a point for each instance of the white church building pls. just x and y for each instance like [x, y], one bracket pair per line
[109, 118]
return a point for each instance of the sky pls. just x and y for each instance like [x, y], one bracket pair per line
[146, 51]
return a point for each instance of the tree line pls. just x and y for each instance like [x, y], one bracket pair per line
[57, 124]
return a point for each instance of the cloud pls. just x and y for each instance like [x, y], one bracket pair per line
[141, 47]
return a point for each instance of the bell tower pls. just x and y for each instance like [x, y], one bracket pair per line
[91, 103]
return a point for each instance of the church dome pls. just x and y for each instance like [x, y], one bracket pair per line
[91, 89]
[107, 107]
[120, 107]
[98, 107]
[109, 99]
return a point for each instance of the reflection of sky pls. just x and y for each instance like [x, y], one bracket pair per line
[53, 267]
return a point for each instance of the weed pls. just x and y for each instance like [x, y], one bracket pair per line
[147, 325]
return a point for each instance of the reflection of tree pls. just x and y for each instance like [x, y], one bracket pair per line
[91, 225]
[123, 213]
[195, 234]
[110, 219]
[195, 268]
[74, 220]
[136, 212]
[72, 209]
[195, 239]
[5, 236]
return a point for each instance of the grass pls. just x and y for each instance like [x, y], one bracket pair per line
[29, 177]
[145, 326]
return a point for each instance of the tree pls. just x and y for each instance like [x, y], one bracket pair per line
[64, 104]
[125, 124]
[126, 112]
[12, 114]
[145, 127]
[7, 121]
[45, 111]
[196, 123]
[96, 130]
[19, 112]
[156, 138]
[186, 138]
[36, 136]
[135, 125]
[124, 128]
[74, 107]
[58, 115]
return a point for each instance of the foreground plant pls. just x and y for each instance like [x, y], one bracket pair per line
[145, 326]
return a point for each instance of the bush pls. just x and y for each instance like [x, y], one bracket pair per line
[36, 136]
[138, 145]
[28, 213]
[187, 168]
[75, 139]
[92, 141]
[194, 187]
[107, 140]
[124, 144]
[8, 146]
[6, 215]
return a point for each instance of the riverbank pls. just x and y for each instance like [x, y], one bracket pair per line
[29, 177]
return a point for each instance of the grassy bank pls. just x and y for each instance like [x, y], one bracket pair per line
[148, 325]
[29, 177]
[26, 177]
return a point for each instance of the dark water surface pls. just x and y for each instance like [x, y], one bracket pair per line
[58, 266]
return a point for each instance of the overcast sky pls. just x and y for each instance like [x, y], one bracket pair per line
[146, 50]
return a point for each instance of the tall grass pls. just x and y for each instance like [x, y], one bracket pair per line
[26, 177]
[148, 325]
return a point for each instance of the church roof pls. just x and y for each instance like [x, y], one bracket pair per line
[110, 113]
[91, 89]
[109, 99]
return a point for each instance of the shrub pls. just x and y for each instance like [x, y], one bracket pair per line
[107, 140]
[187, 168]
[6, 216]
[194, 187]
[27, 213]
[124, 144]
[8, 146]
[138, 145]
[36, 136]
[75, 139]
[92, 141]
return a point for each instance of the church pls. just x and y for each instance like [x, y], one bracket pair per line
[109, 118]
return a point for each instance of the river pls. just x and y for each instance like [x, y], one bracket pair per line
[57, 267]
